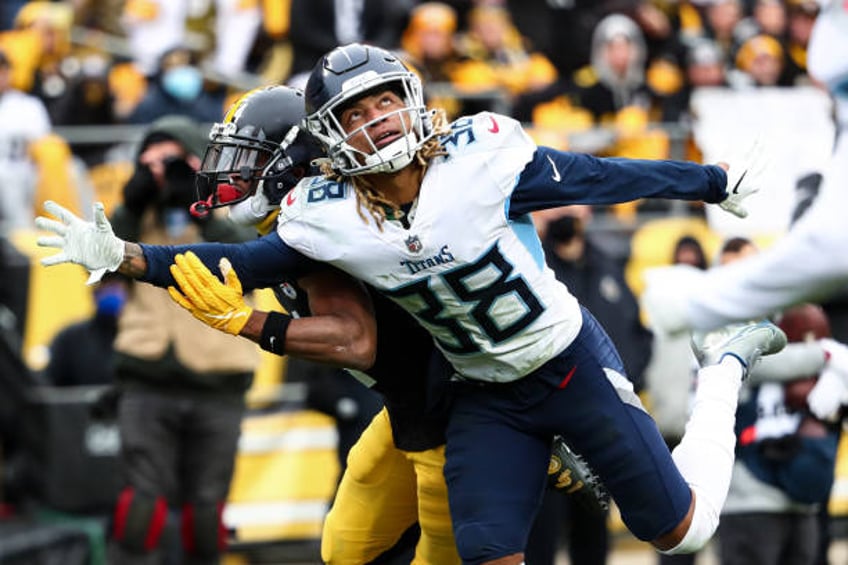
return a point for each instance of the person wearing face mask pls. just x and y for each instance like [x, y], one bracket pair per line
[178, 87]
[597, 280]
[82, 353]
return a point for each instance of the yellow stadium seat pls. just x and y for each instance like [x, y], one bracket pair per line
[286, 474]
[653, 244]
[57, 297]
[838, 505]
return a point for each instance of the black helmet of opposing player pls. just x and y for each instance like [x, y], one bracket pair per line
[348, 73]
[261, 142]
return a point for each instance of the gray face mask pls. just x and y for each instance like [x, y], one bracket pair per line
[183, 83]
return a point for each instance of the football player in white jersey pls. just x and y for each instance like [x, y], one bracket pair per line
[810, 261]
[394, 473]
[436, 217]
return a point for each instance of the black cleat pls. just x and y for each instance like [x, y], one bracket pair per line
[570, 474]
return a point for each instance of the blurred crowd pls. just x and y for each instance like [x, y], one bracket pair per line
[591, 76]
[610, 77]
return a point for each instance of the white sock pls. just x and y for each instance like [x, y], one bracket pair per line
[706, 452]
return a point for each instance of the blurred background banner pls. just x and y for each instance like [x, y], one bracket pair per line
[796, 132]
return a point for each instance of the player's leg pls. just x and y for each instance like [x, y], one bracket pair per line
[496, 475]
[148, 460]
[436, 544]
[375, 502]
[211, 432]
[604, 421]
[593, 405]
[705, 454]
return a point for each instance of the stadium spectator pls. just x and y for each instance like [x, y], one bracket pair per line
[154, 27]
[801, 16]
[181, 384]
[25, 122]
[760, 60]
[320, 25]
[427, 43]
[721, 19]
[178, 88]
[496, 57]
[428, 46]
[83, 352]
[38, 44]
[689, 251]
[597, 280]
[785, 457]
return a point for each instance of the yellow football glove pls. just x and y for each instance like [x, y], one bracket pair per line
[216, 304]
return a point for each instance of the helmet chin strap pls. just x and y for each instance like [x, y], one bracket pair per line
[393, 156]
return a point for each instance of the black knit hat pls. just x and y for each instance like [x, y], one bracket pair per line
[181, 129]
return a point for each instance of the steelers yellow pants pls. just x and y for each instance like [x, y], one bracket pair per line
[382, 493]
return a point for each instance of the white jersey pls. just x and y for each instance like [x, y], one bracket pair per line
[475, 279]
[827, 54]
[23, 120]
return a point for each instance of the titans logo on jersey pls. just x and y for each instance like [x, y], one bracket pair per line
[475, 278]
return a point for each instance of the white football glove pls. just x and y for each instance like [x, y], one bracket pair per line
[837, 354]
[743, 178]
[831, 390]
[828, 395]
[90, 244]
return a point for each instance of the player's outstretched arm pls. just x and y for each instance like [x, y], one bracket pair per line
[556, 178]
[341, 331]
[93, 245]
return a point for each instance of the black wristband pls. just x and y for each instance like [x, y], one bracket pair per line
[273, 338]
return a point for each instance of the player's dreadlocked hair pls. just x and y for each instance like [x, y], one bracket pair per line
[369, 200]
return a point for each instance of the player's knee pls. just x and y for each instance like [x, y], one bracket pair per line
[701, 528]
[202, 529]
[139, 520]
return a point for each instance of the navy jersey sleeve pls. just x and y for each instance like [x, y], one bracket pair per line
[259, 263]
[557, 178]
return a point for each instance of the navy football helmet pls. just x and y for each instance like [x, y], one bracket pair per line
[346, 74]
[260, 141]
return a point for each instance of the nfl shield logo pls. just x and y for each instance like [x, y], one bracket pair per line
[413, 244]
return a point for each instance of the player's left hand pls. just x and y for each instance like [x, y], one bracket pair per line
[743, 178]
[216, 304]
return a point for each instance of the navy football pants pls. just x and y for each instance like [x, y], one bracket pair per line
[498, 447]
